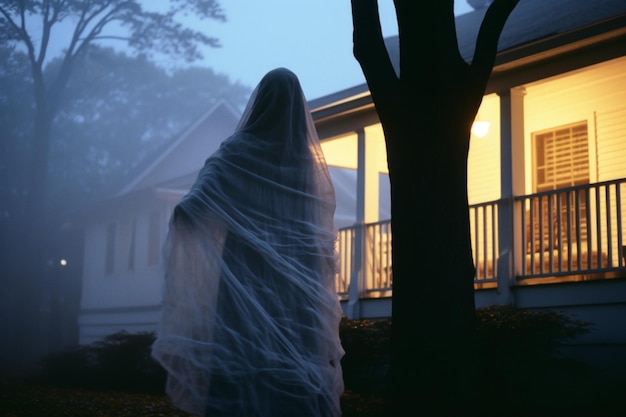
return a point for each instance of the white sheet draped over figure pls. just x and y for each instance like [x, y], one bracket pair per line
[250, 314]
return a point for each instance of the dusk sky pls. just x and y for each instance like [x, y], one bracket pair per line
[313, 38]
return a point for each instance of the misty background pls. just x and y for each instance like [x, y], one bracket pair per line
[82, 110]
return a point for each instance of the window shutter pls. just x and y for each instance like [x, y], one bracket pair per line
[562, 157]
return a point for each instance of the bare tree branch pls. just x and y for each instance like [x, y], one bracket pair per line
[487, 40]
[369, 48]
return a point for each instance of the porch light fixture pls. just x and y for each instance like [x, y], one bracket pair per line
[480, 128]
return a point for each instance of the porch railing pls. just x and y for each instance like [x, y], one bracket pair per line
[571, 231]
[345, 249]
[365, 257]
[365, 252]
[484, 233]
[575, 230]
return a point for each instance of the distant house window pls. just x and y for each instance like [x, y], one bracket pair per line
[109, 263]
[131, 246]
[154, 238]
[561, 160]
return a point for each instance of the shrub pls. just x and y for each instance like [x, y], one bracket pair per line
[124, 362]
[367, 347]
[120, 361]
[538, 333]
[515, 348]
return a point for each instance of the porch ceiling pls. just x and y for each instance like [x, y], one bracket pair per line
[342, 151]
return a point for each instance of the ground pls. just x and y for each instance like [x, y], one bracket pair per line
[519, 377]
[27, 400]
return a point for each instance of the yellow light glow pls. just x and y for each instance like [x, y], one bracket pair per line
[480, 128]
[63, 262]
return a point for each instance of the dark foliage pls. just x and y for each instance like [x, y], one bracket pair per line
[367, 346]
[538, 333]
[119, 362]
[517, 358]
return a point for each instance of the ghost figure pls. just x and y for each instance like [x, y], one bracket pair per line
[250, 313]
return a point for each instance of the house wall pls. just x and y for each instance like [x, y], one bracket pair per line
[129, 297]
[596, 94]
[483, 162]
[342, 155]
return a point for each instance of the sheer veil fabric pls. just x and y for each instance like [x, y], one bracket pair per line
[250, 313]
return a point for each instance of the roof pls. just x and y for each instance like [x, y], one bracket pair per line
[531, 21]
[203, 136]
[537, 19]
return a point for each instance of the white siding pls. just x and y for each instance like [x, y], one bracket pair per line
[611, 140]
[611, 145]
[595, 94]
[128, 298]
[483, 170]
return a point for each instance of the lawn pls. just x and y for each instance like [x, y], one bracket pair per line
[30, 400]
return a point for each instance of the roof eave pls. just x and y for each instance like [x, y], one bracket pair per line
[559, 44]
[358, 98]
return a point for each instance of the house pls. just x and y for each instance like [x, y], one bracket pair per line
[121, 285]
[546, 183]
[546, 174]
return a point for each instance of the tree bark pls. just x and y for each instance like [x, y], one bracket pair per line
[426, 114]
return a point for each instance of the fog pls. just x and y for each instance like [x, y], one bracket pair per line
[79, 119]
[75, 132]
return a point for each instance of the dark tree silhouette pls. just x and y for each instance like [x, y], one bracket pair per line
[426, 113]
[31, 25]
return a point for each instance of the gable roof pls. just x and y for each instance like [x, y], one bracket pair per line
[185, 155]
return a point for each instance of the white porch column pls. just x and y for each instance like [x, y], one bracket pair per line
[366, 212]
[368, 168]
[512, 184]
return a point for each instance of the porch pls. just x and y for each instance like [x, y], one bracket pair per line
[558, 237]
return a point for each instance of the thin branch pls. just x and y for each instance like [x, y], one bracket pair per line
[109, 37]
[19, 30]
[36, 67]
[47, 24]
[487, 40]
[83, 23]
[369, 46]
[79, 43]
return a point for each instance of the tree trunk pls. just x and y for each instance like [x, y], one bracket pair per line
[433, 294]
[426, 114]
[28, 268]
[30, 265]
